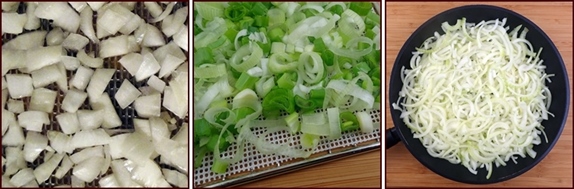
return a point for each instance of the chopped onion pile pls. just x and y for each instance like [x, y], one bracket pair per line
[62, 102]
[476, 95]
[280, 61]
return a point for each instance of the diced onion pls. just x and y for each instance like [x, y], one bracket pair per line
[35, 144]
[126, 94]
[33, 120]
[73, 100]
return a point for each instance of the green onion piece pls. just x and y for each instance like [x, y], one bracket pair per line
[317, 94]
[201, 127]
[211, 71]
[219, 166]
[209, 10]
[276, 16]
[276, 35]
[350, 121]
[305, 105]
[361, 67]
[328, 57]
[361, 8]
[242, 112]
[282, 62]
[253, 53]
[245, 23]
[337, 10]
[319, 45]
[265, 47]
[261, 21]
[374, 59]
[293, 122]
[245, 81]
[235, 12]
[278, 47]
[217, 43]
[198, 159]
[286, 81]
[276, 100]
[203, 55]
[231, 30]
[219, 103]
[259, 9]
[309, 140]
[223, 144]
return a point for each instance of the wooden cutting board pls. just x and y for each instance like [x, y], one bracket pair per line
[555, 18]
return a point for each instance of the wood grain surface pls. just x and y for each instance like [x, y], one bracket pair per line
[555, 18]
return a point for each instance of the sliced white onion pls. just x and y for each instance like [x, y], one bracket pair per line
[142, 126]
[82, 77]
[113, 18]
[15, 106]
[35, 144]
[87, 138]
[43, 100]
[33, 120]
[131, 62]
[156, 83]
[46, 76]
[99, 82]
[86, 25]
[27, 41]
[68, 122]
[169, 64]
[75, 42]
[40, 57]
[63, 81]
[137, 147]
[171, 48]
[132, 24]
[153, 8]
[19, 85]
[70, 63]
[152, 37]
[14, 136]
[44, 171]
[181, 38]
[73, 100]
[173, 23]
[89, 61]
[22, 177]
[149, 67]
[114, 46]
[60, 142]
[111, 118]
[90, 119]
[86, 153]
[116, 145]
[55, 37]
[88, 169]
[148, 106]
[126, 94]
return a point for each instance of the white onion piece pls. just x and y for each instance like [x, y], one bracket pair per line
[77, 183]
[90, 119]
[131, 62]
[113, 18]
[75, 42]
[137, 147]
[175, 96]
[12, 59]
[129, 5]
[100, 32]
[116, 145]
[182, 135]
[22, 177]
[171, 48]
[70, 63]
[122, 174]
[68, 122]
[60, 142]
[64, 167]
[40, 57]
[44, 171]
[96, 5]
[48, 154]
[132, 24]
[152, 37]
[169, 64]
[13, 23]
[149, 67]
[107, 160]
[181, 38]
[126, 94]
[35, 144]
[43, 100]
[133, 45]
[19, 85]
[16, 106]
[79, 6]
[148, 106]
[89, 61]
[164, 13]
[31, 184]
[3, 161]
[8, 119]
[153, 8]
[156, 83]
[173, 23]
[158, 128]
[55, 37]
[63, 81]
[10, 6]
[176, 178]
[111, 118]
[142, 126]
[147, 173]
[365, 122]
[46, 76]
[33, 120]
[87, 138]
[14, 136]
[62, 14]
[26, 41]
[86, 25]
[109, 181]
[174, 152]
[82, 77]
[32, 22]
[114, 46]
[73, 100]
[99, 82]
[14, 159]
[4, 84]
[86, 153]
[88, 169]
[5, 179]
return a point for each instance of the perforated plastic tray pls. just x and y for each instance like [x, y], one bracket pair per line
[256, 166]
[126, 115]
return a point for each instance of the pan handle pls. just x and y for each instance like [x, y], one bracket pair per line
[391, 137]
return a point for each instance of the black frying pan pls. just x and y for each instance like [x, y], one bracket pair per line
[559, 89]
